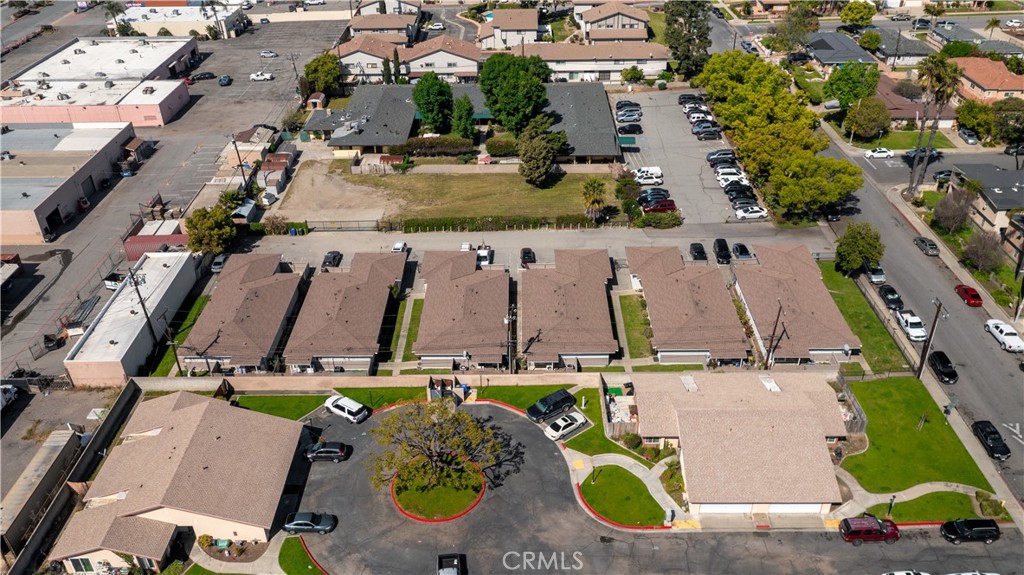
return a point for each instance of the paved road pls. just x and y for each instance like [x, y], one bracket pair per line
[454, 26]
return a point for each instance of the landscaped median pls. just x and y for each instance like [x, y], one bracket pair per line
[620, 497]
[942, 506]
[593, 440]
[518, 396]
[296, 407]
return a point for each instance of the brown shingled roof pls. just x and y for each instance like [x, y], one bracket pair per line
[185, 452]
[382, 21]
[690, 307]
[591, 52]
[788, 274]
[246, 310]
[568, 306]
[442, 43]
[343, 311]
[464, 309]
[367, 44]
[634, 34]
[602, 11]
[740, 442]
[515, 19]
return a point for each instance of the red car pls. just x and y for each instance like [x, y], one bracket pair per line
[660, 206]
[970, 295]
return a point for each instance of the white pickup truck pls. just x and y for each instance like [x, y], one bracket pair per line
[261, 77]
[911, 324]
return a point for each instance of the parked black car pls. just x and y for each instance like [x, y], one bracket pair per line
[717, 12]
[697, 252]
[991, 439]
[629, 129]
[943, 367]
[722, 254]
[689, 97]
[203, 76]
[327, 451]
[959, 530]
[550, 406]
[709, 135]
[322, 523]
[1014, 150]
[720, 155]
[331, 260]
[890, 296]
[626, 104]
[527, 256]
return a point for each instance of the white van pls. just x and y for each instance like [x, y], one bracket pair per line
[649, 171]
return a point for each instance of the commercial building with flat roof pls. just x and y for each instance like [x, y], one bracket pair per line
[103, 80]
[118, 341]
[47, 169]
[182, 20]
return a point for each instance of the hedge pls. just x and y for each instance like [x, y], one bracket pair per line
[660, 220]
[441, 146]
[502, 147]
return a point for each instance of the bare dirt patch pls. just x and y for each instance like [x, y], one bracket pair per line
[319, 192]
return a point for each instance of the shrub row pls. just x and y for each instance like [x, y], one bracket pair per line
[492, 223]
[260, 229]
[442, 146]
[502, 147]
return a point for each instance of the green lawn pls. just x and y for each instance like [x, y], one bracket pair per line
[657, 24]
[439, 502]
[669, 367]
[520, 396]
[195, 307]
[560, 28]
[896, 140]
[877, 345]
[899, 456]
[672, 481]
[941, 506]
[414, 330]
[480, 195]
[593, 441]
[636, 324]
[197, 569]
[377, 397]
[384, 372]
[931, 198]
[294, 560]
[810, 82]
[398, 330]
[292, 407]
[622, 497]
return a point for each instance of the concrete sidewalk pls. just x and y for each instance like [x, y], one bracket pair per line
[266, 564]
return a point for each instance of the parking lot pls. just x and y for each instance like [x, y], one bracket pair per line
[668, 143]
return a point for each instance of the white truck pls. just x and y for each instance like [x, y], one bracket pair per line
[911, 325]
[261, 77]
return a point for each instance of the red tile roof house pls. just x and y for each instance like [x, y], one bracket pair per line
[186, 463]
[615, 22]
[464, 311]
[564, 313]
[810, 329]
[510, 28]
[244, 322]
[690, 308]
[749, 443]
[987, 81]
[339, 327]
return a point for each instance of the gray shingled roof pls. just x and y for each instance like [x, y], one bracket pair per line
[585, 116]
[385, 114]
[961, 34]
[1003, 189]
[907, 46]
[835, 48]
[325, 120]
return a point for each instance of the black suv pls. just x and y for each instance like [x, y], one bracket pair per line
[943, 367]
[970, 530]
[331, 260]
[991, 440]
[721, 248]
[891, 297]
[697, 252]
[550, 406]
[327, 451]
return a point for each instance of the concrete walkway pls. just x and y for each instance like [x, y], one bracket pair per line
[862, 500]
[267, 564]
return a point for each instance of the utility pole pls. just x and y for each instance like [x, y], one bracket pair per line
[295, 69]
[931, 335]
[510, 320]
[241, 166]
[145, 312]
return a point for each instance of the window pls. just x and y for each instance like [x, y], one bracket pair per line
[428, 64]
[651, 440]
[559, 62]
[146, 562]
[371, 65]
[452, 64]
[82, 565]
[619, 62]
[641, 62]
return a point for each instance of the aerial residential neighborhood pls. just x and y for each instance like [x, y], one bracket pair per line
[450, 287]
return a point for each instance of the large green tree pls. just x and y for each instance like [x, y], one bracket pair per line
[851, 82]
[540, 127]
[210, 230]
[111, 9]
[870, 40]
[791, 32]
[503, 65]
[959, 49]
[688, 34]
[536, 157]
[433, 98]
[860, 244]
[858, 13]
[868, 118]
[518, 97]
[976, 116]
[431, 444]
[802, 183]
[1008, 115]
[324, 73]
[462, 117]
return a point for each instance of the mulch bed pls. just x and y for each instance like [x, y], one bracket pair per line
[246, 553]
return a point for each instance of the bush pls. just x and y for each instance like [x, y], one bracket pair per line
[666, 76]
[442, 146]
[662, 86]
[257, 229]
[649, 82]
[908, 89]
[566, 220]
[627, 189]
[500, 148]
[205, 540]
[631, 440]
[982, 251]
[660, 221]
[465, 159]
[484, 224]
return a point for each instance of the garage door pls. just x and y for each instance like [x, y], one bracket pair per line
[715, 508]
[781, 508]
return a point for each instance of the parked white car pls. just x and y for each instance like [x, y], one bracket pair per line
[649, 171]
[1013, 23]
[565, 425]
[316, 2]
[436, 26]
[261, 77]
[726, 180]
[751, 213]
[399, 247]
[879, 153]
[649, 180]
[348, 408]
[1005, 335]
[268, 54]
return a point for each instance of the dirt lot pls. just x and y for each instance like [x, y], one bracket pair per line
[318, 192]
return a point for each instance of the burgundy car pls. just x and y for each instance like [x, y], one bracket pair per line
[660, 206]
[970, 295]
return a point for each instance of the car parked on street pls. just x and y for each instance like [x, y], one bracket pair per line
[550, 405]
[322, 523]
[857, 530]
[527, 256]
[748, 47]
[960, 530]
[933, 154]
[921, 24]
[969, 295]
[879, 153]
[927, 246]
[1014, 150]
[268, 54]
[991, 440]
[327, 451]
[943, 367]
[331, 260]
[1005, 335]
[890, 296]
[901, 17]
[875, 273]
[1013, 23]
[565, 425]
[751, 213]
[347, 408]
[968, 136]
[697, 252]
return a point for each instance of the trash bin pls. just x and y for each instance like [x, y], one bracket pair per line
[291, 231]
[302, 232]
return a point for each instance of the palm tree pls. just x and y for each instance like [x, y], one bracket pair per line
[946, 83]
[934, 10]
[593, 198]
[112, 10]
[939, 78]
[992, 26]
[212, 5]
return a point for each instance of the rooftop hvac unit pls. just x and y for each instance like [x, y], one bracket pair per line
[62, 96]
[100, 75]
[148, 90]
[145, 17]
[26, 92]
[119, 61]
[65, 61]
[108, 84]
[82, 86]
[176, 12]
[143, 43]
[79, 51]
[93, 43]
[133, 51]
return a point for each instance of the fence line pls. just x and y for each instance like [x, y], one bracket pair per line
[911, 356]
[391, 226]
[858, 420]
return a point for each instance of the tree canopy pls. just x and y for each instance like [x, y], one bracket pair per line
[504, 64]
[869, 118]
[688, 34]
[210, 230]
[852, 81]
[1009, 119]
[976, 116]
[796, 24]
[324, 73]
[870, 40]
[433, 98]
[517, 98]
[860, 244]
[802, 183]
[858, 13]
[536, 156]
[462, 117]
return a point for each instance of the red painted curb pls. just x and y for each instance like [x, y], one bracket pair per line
[310, 555]
[579, 491]
[399, 404]
[502, 404]
[920, 524]
[483, 489]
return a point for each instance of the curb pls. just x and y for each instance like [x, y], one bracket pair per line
[311, 558]
[483, 489]
[501, 404]
[598, 516]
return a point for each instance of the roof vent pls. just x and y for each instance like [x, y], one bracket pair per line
[100, 75]
[119, 61]
[93, 43]
[148, 90]
[143, 43]
[108, 84]
[113, 342]
[62, 96]
[997, 190]
[145, 17]
[770, 384]
[133, 51]
[82, 86]
[65, 61]
[79, 51]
